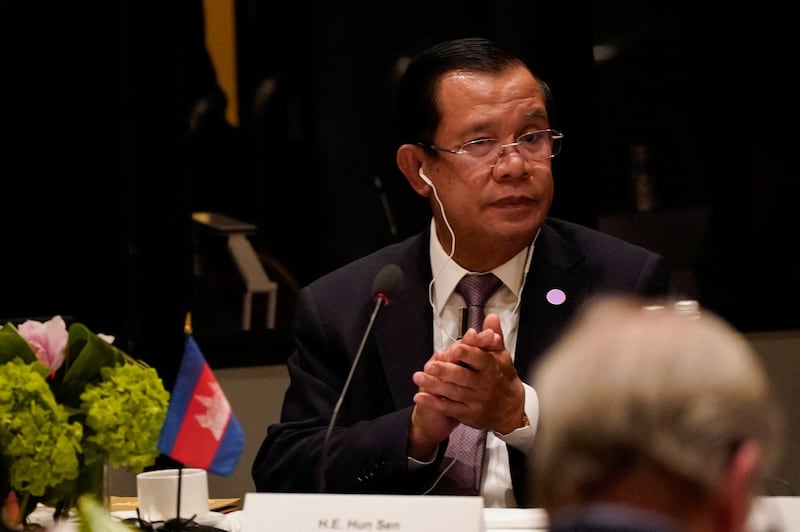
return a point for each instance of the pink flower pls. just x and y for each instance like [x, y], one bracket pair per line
[48, 340]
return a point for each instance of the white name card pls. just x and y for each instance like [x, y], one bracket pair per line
[311, 512]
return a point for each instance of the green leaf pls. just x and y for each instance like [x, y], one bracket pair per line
[13, 345]
[94, 517]
[86, 355]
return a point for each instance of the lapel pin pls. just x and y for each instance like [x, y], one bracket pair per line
[556, 296]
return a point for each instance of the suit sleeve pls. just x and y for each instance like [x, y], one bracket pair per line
[368, 445]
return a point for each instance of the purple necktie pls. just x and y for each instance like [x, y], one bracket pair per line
[476, 291]
[467, 444]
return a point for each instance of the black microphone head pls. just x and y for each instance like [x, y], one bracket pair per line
[388, 283]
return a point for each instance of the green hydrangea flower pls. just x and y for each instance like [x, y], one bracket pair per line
[41, 444]
[124, 414]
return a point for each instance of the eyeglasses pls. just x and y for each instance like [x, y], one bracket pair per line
[537, 145]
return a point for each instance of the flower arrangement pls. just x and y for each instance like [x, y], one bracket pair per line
[71, 403]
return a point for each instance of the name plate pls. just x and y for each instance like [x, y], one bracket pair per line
[312, 512]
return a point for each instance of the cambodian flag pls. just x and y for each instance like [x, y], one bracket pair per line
[200, 429]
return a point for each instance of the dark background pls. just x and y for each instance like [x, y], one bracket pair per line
[114, 132]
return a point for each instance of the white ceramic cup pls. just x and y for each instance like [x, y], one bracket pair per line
[157, 494]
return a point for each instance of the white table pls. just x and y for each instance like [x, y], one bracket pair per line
[768, 514]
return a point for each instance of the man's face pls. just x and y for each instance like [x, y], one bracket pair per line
[496, 202]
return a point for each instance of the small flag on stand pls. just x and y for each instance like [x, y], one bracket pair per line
[200, 429]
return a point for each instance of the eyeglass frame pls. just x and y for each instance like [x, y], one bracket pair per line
[555, 135]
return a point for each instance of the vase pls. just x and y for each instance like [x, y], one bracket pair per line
[92, 481]
[95, 482]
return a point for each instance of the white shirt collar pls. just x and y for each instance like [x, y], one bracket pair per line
[447, 273]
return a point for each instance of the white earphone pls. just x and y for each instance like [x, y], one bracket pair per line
[425, 178]
[529, 255]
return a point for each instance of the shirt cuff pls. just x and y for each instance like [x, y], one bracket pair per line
[522, 437]
[416, 465]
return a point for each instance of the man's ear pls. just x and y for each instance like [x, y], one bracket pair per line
[409, 161]
[739, 485]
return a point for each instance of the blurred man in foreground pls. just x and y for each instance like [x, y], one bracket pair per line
[653, 420]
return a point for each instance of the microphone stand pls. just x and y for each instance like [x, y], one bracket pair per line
[179, 524]
[380, 300]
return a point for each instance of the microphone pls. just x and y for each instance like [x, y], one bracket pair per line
[386, 286]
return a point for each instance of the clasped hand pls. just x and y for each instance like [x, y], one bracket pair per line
[474, 382]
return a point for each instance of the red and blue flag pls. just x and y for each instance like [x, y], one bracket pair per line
[200, 429]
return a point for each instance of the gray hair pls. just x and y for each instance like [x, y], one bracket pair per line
[630, 382]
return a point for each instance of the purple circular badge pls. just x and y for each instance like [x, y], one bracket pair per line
[556, 296]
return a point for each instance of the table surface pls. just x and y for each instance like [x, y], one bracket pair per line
[769, 513]
[121, 504]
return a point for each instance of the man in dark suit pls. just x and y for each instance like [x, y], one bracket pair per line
[476, 140]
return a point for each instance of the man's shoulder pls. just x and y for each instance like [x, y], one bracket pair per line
[587, 237]
[403, 254]
[601, 517]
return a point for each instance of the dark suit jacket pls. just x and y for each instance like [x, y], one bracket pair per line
[368, 446]
[613, 518]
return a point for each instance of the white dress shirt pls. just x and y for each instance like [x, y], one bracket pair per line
[496, 485]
